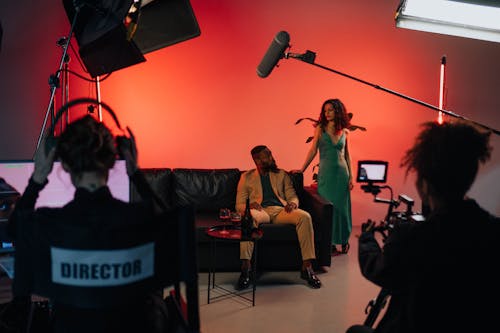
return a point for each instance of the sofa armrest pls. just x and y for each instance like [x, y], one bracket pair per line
[321, 211]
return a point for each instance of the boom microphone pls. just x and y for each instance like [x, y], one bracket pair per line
[275, 52]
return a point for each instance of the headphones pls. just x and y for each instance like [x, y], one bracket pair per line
[122, 142]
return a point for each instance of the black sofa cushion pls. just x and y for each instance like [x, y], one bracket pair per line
[207, 190]
[160, 181]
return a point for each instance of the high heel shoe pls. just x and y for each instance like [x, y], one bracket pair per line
[345, 248]
[335, 252]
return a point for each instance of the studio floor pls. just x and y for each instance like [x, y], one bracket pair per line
[285, 304]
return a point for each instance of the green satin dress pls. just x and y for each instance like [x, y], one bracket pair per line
[333, 185]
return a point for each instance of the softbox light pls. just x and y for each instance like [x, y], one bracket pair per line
[103, 32]
[477, 19]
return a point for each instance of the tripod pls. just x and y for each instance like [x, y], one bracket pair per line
[64, 43]
[54, 79]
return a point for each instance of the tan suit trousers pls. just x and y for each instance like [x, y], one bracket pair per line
[277, 214]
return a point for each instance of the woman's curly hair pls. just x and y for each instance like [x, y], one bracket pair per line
[341, 117]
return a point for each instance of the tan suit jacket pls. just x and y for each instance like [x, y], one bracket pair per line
[250, 186]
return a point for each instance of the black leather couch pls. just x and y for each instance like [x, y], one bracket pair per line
[208, 190]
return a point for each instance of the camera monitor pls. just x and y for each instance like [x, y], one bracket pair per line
[372, 171]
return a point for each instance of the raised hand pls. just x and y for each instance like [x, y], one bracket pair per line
[44, 162]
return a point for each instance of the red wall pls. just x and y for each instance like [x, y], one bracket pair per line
[200, 104]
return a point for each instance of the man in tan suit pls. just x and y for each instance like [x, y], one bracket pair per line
[273, 200]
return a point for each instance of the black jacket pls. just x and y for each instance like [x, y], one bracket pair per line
[90, 220]
[442, 273]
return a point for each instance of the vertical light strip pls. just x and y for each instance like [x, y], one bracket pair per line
[441, 88]
[98, 94]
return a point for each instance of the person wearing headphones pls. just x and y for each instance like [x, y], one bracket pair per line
[87, 151]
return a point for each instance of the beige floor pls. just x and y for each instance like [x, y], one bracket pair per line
[284, 304]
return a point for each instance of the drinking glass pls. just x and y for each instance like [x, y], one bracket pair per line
[224, 214]
[235, 218]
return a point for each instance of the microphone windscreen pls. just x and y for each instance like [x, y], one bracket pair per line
[275, 52]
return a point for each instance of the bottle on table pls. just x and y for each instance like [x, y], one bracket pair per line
[247, 222]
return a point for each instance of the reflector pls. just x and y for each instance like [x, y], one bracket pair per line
[165, 22]
[101, 30]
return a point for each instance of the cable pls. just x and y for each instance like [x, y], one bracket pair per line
[83, 77]
[78, 57]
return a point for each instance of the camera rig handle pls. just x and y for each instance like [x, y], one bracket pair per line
[409, 203]
[391, 202]
[375, 306]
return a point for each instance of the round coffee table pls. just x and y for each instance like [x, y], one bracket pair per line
[230, 233]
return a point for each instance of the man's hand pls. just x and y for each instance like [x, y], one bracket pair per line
[44, 161]
[290, 206]
[255, 205]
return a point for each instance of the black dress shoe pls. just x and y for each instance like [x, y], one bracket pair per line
[311, 278]
[244, 280]
[345, 248]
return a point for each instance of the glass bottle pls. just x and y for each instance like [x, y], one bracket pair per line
[247, 222]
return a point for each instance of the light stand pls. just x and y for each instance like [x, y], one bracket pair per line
[310, 56]
[109, 41]
[64, 83]
[65, 87]
[54, 81]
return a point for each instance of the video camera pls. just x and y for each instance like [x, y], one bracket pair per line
[372, 173]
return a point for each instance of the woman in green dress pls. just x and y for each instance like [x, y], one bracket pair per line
[334, 175]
